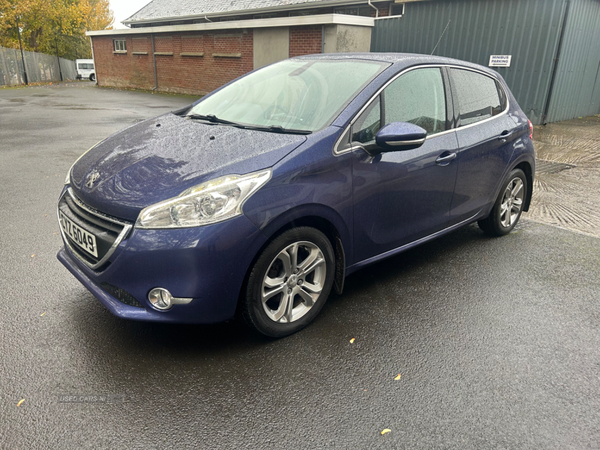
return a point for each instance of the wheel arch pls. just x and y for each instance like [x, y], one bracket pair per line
[319, 217]
[525, 166]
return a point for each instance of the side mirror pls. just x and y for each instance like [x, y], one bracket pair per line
[400, 136]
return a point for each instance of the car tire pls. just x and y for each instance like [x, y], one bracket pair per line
[92, 77]
[508, 206]
[289, 282]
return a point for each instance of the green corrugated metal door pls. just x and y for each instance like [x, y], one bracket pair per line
[576, 90]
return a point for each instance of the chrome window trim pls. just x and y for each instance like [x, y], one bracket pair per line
[122, 235]
[391, 80]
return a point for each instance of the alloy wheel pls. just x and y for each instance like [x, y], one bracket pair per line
[512, 202]
[293, 282]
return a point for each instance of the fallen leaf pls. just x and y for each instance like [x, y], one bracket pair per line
[387, 430]
[43, 314]
[45, 215]
[352, 340]
[33, 255]
[398, 377]
[20, 402]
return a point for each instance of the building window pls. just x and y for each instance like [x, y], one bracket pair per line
[120, 45]
[397, 9]
[356, 11]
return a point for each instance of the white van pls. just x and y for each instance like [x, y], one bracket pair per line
[85, 69]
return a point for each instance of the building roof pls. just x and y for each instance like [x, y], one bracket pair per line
[161, 10]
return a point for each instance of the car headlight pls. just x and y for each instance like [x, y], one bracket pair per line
[209, 202]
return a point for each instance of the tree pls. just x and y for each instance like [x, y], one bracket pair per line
[50, 25]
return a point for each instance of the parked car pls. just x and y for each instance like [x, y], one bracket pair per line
[85, 69]
[264, 195]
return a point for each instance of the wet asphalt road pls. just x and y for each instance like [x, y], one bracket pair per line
[497, 340]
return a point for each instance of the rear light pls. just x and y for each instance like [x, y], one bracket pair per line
[530, 130]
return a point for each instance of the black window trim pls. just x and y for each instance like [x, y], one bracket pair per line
[449, 98]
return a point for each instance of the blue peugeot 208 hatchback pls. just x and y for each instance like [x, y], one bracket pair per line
[265, 194]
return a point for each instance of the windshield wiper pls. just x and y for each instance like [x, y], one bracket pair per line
[277, 129]
[270, 128]
[214, 119]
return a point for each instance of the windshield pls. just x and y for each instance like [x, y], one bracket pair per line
[292, 94]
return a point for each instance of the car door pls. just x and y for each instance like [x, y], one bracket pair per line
[484, 132]
[402, 196]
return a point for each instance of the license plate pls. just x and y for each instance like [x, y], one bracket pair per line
[81, 237]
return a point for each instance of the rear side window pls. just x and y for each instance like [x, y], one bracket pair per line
[479, 96]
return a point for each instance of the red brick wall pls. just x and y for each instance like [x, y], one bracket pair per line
[305, 40]
[193, 74]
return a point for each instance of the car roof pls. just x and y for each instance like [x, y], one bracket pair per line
[401, 60]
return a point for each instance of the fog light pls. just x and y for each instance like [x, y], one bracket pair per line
[160, 298]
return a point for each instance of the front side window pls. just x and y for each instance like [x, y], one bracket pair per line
[417, 97]
[479, 96]
[120, 45]
[295, 94]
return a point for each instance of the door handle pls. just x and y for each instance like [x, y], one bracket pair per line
[445, 160]
[505, 135]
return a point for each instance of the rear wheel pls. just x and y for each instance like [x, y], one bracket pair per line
[289, 282]
[508, 207]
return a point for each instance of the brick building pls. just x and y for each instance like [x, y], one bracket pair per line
[195, 47]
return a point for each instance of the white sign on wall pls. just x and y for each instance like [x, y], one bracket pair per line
[500, 60]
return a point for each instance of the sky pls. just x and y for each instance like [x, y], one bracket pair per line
[123, 9]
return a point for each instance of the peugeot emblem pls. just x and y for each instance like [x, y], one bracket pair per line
[92, 178]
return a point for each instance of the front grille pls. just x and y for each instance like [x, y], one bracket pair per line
[109, 231]
[121, 295]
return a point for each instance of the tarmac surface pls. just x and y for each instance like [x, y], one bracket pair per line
[465, 342]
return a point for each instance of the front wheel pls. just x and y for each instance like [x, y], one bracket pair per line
[289, 282]
[508, 207]
[92, 77]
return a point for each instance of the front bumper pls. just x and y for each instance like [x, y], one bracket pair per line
[207, 264]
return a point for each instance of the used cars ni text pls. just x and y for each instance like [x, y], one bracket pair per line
[264, 195]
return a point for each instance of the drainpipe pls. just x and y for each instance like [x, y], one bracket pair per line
[322, 38]
[154, 62]
[555, 62]
[376, 10]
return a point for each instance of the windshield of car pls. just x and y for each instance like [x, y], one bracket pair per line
[292, 94]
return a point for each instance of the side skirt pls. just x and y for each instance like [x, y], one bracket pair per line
[374, 259]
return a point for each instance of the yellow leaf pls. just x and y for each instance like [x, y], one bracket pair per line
[398, 377]
[33, 255]
[352, 340]
[42, 314]
[21, 402]
[387, 430]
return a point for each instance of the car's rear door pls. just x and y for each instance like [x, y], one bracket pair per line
[485, 133]
[402, 196]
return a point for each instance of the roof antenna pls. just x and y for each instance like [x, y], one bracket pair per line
[443, 32]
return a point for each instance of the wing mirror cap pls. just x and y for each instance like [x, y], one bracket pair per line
[397, 136]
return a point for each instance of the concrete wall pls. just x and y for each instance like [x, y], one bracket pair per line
[347, 38]
[271, 45]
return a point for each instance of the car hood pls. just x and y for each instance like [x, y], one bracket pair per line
[160, 158]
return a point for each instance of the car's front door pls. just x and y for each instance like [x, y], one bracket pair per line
[402, 196]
